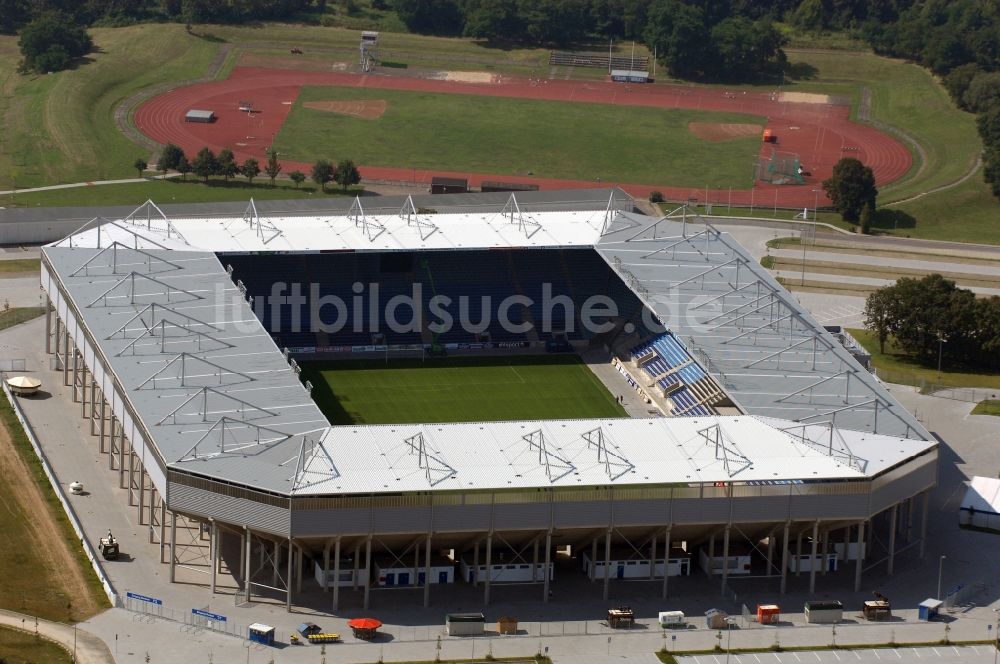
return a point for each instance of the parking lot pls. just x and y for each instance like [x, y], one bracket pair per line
[938, 654]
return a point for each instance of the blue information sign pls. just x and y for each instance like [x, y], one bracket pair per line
[211, 616]
[143, 598]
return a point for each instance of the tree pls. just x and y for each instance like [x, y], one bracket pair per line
[983, 92]
[51, 41]
[680, 35]
[865, 223]
[322, 172]
[250, 169]
[346, 174]
[184, 167]
[140, 165]
[958, 79]
[205, 164]
[227, 167]
[170, 156]
[879, 314]
[491, 19]
[298, 177]
[273, 167]
[850, 187]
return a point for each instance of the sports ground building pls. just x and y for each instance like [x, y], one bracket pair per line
[770, 432]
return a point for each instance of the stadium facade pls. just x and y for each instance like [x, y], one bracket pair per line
[775, 432]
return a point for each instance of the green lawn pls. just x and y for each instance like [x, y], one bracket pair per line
[17, 647]
[19, 265]
[896, 367]
[966, 213]
[459, 390]
[18, 315]
[29, 582]
[172, 190]
[517, 136]
[988, 407]
[60, 127]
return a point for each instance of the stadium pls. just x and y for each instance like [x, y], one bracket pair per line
[202, 349]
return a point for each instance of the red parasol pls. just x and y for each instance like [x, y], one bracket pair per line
[364, 623]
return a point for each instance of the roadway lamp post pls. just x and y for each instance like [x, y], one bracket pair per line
[816, 204]
[996, 636]
[940, 572]
[729, 636]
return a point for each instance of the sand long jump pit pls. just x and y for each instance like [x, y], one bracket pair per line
[716, 132]
[366, 109]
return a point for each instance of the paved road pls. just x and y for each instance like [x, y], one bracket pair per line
[74, 185]
[862, 259]
[934, 655]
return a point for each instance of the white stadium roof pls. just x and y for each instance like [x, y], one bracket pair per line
[222, 401]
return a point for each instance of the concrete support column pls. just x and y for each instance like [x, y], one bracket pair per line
[131, 476]
[798, 554]
[489, 569]
[893, 517]
[416, 564]
[163, 525]
[103, 430]
[475, 564]
[142, 492]
[288, 575]
[923, 524]
[607, 563]
[274, 566]
[326, 566]
[784, 559]
[861, 558]
[725, 559]
[298, 569]
[368, 568]
[173, 545]
[76, 375]
[65, 362]
[593, 560]
[770, 553]
[213, 553]
[812, 559]
[825, 551]
[83, 393]
[711, 554]
[48, 327]
[666, 560]
[427, 572]
[357, 565]
[336, 573]
[247, 573]
[546, 574]
[534, 561]
[652, 558]
[152, 504]
[847, 544]
[57, 333]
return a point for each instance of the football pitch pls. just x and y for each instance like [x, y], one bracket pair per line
[424, 130]
[464, 389]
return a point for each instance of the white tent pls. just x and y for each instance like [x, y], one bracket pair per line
[981, 505]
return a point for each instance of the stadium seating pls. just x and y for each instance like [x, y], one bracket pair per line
[667, 362]
[472, 275]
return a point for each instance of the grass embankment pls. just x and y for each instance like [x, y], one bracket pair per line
[459, 390]
[60, 127]
[43, 570]
[988, 407]
[20, 647]
[898, 367]
[172, 190]
[18, 315]
[18, 266]
[909, 99]
[503, 135]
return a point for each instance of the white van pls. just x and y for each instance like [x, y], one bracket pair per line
[672, 619]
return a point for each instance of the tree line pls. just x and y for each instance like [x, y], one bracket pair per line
[206, 163]
[931, 315]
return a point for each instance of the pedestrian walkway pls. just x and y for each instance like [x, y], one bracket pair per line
[94, 183]
[87, 648]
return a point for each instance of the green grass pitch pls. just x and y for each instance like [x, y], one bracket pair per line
[467, 389]
[519, 136]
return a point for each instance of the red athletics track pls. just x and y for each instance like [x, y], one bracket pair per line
[819, 133]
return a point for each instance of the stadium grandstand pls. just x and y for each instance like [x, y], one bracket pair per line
[184, 334]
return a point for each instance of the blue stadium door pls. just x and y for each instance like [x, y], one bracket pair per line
[404, 578]
[390, 579]
[442, 577]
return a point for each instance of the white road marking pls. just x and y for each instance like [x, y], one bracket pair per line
[936, 652]
[916, 652]
[835, 654]
[897, 654]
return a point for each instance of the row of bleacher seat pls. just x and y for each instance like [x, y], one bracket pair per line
[686, 385]
[598, 60]
[577, 273]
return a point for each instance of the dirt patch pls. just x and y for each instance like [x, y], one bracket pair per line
[42, 574]
[806, 98]
[366, 109]
[465, 76]
[717, 132]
